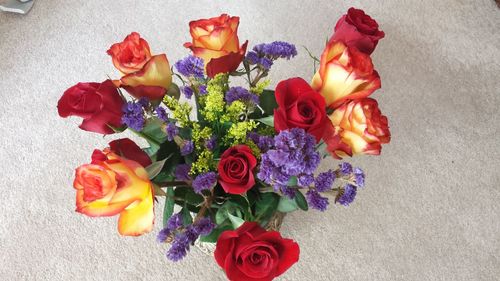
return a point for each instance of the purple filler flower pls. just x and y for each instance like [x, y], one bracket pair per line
[179, 248]
[316, 201]
[187, 148]
[190, 66]
[324, 181]
[211, 143]
[345, 168]
[276, 49]
[133, 116]
[204, 181]
[161, 114]
[348, 195]
[187, 91]
[241, 94]
[204, 226]
[359, 177]
[172, 131]
[182, 172]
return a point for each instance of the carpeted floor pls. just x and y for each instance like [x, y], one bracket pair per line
[431, 210]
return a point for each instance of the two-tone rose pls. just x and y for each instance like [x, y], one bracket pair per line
[112, 185]
[215, 40]
[145, 75]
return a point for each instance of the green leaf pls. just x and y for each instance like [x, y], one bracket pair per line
[266, 205]
[267, 102]
[171, 150]
[186, 217]
[168, 210]
[155, 168]
[292, 181]
[235, 221]
[287, 205]
[269, 120]
[301, 200]
[174, 91]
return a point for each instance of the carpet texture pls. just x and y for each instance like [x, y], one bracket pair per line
[431, 210]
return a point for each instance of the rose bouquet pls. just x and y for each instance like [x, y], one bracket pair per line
[233, 159]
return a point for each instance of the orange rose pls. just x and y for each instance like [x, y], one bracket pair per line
[112, 185]
[344, 74]
[215, 40]
[130, 55]
[359, 128]
[144, 75]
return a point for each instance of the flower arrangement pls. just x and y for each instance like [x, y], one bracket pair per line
[234, 159]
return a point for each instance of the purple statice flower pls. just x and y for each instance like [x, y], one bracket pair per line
[324, 181]
[211, 143]
[253, 136]
[266, 63]
[187, 91]
[288, 191]
[293, 154]
[182, 172]
[241, 94]
[202, 90]
[252, 57]
[133, 116]
[161, 114]
[345, 168]
[305, 180]
[172, 131]
[163, 235]
[204, 226]
[348, 195]
[276, 49]
[316, 201]
[191, 233]
[174, 222]
[179, 247]
[264, 143]
[187, 148]
[204, 181]
[190, 66]
[359, 177]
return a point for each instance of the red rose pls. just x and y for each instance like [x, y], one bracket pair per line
[99, 104]
[236, 169]
[128, 149]
[299, 106]
[251, 253]
[130, 55]
[359, 30]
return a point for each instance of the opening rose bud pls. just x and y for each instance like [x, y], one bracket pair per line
[130, 55]
[215, 40]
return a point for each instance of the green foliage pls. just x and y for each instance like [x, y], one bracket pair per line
[287, 205]
[168, 210]
[301, 200]
[266, 206]
[267, 102]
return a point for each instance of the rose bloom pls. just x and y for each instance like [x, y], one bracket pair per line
[344, 74]
[299, 106]
[359, 30]
[145, 75]
[128, 149]
[360, 128]
[236, 168]
[99, 104]
[215, 40]
[130, 55]
[113, 185]
[251, 253]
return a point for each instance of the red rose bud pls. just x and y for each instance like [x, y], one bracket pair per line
[99, 104]
[344, 74]
[128, 149]
[130, 55]
[236, 168]
[215, 40]
[359, 128]
[357, 29]
[299, 106]
[252, 253]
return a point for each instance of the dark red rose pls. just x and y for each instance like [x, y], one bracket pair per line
[299, 106]
[128, 149]
[251, 253]
[236, 169]
[359, 30]
[99, 104]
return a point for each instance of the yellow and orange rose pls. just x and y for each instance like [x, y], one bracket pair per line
[113, 185]
[145, 75]
[345, 74]
[358, 128]
[215, 40]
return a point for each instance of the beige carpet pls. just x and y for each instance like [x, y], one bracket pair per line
[431, 210]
